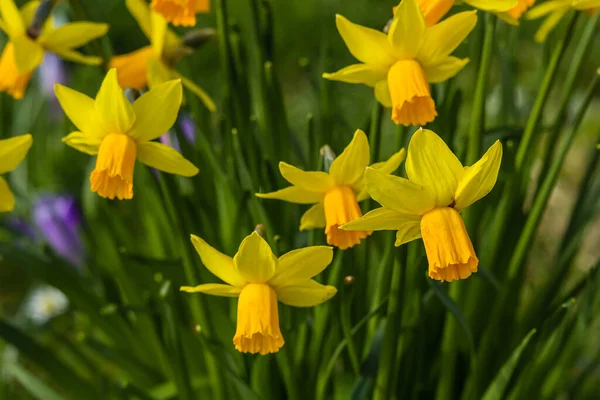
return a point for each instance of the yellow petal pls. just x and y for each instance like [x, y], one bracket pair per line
[87, 144]
[28, 12]
[219, 264]
[407, 233]
[293, 194]
[255, 261]
[113, 107]
[75, 56]
[546, 8]
[81, 110]
[156, 111]
[165, 158]
[313, 181]
[382, 219]
[28, 54]
[549, 24]
[159, 30]
[300, 265]
[443, 38]
[387, 167]
[12, 18]
[397, 193]
[408, 30]
[445, 70]
[382, 93]
[431, 164]
[214, 289]
[7, 199]
[492, 5]
[586, 4]
[367, 45]
[198, 91]
[73, 35]
[13, 151]
[366, 74]
[159, 73]
[141, 12]
[306, 294]
[313, 218]
[479, 179]
[349, 167]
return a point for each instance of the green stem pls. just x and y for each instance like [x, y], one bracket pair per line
[375, 132]
[540, 201]
[285, 365]
[387, 362]
[477, 122]
[346, 306]
[531, 128]
[580, 55]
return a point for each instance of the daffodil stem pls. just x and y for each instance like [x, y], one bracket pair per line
[346, 306]
[375, 131]
[580, 55]
[387, 361]
[477, 123]
[285, 364]
[535, 116]
[541, 200]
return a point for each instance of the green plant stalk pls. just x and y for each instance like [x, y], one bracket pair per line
[449, 351]
[532, 125]
[539, 204]
[400, 136]
[285, 365]
[375, 132]
[477, 122]
[579, 57]
[196, 306]
[345, 311]
[385, 382]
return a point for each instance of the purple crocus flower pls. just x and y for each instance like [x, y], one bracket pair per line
[58, 219]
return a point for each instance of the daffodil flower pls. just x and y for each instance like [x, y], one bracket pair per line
[401, 65]
[23, 53]
[555, 10]
[336, 193]
[12, 152]
[428, 203]
[119, 133]
[434, 10]
[260, 279]
[181, 12]
[154, 64]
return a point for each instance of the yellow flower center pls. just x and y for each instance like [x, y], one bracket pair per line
[520, 8]
[258, 320]
[449, 249]
[411, 98]
[113, 175]
[180, 12]
[341, 207]
[12, 81]
[132, 68]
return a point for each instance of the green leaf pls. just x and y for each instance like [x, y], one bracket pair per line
[35, 386]
[46, 359]
[496, 389]
[453, 308]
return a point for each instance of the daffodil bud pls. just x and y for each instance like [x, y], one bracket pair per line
[198, 37]
[328, 156]
[39, 18]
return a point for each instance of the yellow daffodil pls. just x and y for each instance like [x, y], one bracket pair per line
[24, 53]
[154, 64]
[120, 132]
[181, 12]
[434, 10]
[12, 152]
[401, 65]
[260, 279]
[428, 203]
[555, 10]
[336, 193]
